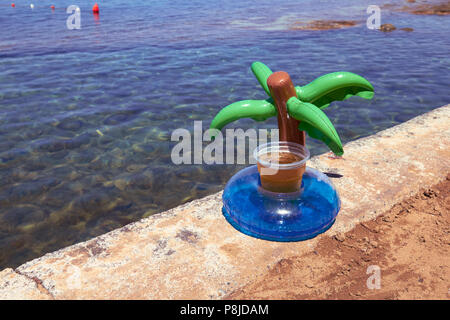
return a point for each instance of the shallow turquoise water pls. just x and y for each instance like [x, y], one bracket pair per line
[147, 68]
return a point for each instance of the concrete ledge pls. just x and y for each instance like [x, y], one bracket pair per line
[191, 252]
[14, 286]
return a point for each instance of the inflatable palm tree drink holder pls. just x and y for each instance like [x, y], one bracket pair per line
[280, 198]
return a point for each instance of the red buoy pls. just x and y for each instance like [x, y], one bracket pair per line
[95, 8]
[52, 7]
[13, 5]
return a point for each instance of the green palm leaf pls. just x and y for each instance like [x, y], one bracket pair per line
[258, 110]
[262, 72]
[336, 86]
[315, 122]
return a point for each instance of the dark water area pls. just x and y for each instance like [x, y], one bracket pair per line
[86, 116]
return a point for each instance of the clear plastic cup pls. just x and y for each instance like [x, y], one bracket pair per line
[281, 166]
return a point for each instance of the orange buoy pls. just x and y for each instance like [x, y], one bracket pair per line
[13, 5]
[95, 8]
[52, 7]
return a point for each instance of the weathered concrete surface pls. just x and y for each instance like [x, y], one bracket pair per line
[15, 286]
[191, 252]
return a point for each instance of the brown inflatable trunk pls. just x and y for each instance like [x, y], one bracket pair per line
[282, 89]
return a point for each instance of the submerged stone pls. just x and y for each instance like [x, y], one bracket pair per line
[35, 165]
[77, 141]
[159, 117]
[440, 9]
[81, 157]
[116, 119]
[105, 139]
[58, 155]
[135, 167]
[57, 198]
[387, 27]
[23, 215]
[70, 124]
[14, 154]
[31, 189]
[33, 133]
[143, 148]
[140, 181]
[52, 145]
[323, 25]
[94, 202]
